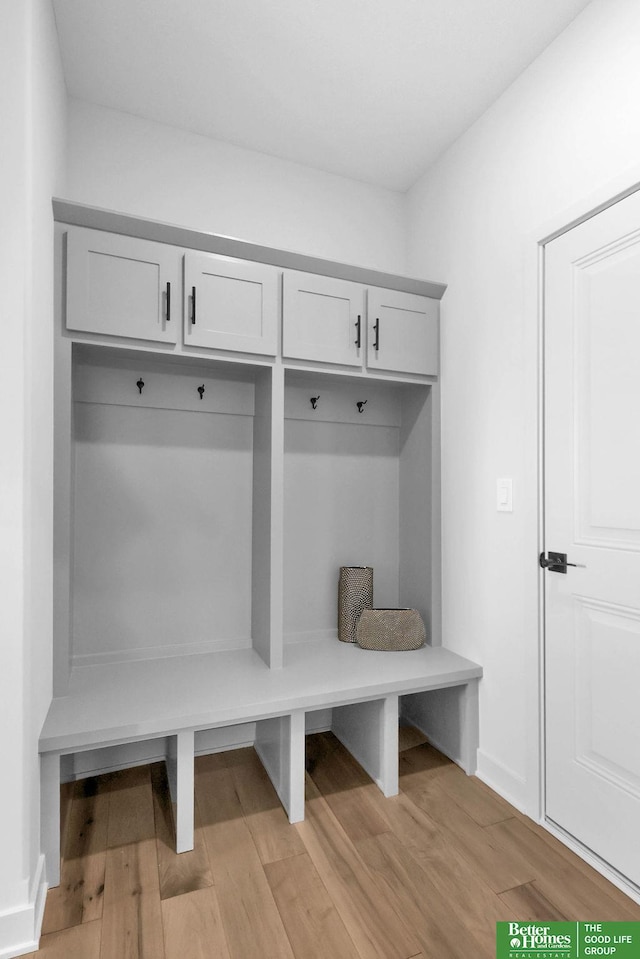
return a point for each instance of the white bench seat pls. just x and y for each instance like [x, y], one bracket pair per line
[175, 697]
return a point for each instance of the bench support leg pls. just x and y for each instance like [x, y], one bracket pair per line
[50, 815]
[370, 732]
[180, 773]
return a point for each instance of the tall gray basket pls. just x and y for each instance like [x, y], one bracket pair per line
[355, 593]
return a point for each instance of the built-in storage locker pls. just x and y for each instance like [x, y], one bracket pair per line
[402, 332]
[122, 286]
[231, 304]
[171, 507]
[323, 319]
[360, 489]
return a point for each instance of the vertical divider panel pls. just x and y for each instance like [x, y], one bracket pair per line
[369, 731]
[420, 507]
[268, 453]
[50, 815]
[280, 746]
[180, 773]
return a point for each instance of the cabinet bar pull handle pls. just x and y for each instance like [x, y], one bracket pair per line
[358, 326]
[193, 308]
[168, 302]
[376, 327]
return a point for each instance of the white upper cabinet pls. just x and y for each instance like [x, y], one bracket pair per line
[323, 319]
[402, 332]
[230, 304]
[122, 286]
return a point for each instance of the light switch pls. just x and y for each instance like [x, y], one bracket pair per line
[505, 495]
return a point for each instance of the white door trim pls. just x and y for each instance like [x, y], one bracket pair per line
[604, 196]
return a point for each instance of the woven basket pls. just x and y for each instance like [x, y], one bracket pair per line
[355, 593]
[390, 629]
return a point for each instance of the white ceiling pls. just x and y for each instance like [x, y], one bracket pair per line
[370, 89]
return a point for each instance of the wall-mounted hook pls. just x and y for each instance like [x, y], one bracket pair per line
[361, 404]
[140, 384]
[201, 390]
[314, 401]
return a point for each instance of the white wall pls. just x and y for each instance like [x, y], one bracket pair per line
[569, 126]
[137, 166]
[31, 170]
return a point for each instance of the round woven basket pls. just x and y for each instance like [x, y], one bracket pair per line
[390, 629]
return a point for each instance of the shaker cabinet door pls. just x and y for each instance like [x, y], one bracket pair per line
[122, 286]
[230, 304]
[402, 332]
[323, 319]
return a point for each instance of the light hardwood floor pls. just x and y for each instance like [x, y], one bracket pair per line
[424, 874]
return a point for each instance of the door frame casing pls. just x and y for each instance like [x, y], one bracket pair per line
[607, 195]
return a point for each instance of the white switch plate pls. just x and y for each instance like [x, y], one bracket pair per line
[505, 495]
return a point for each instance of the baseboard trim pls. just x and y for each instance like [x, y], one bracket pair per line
[20, 927]
[138, 654]
[502, 780]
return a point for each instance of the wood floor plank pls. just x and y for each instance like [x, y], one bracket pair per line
[423, 908]
[132, 917]
[250, 917]
[576, 895]
[409, 736]
[79, 896]
[225, 759]
[263, 812]
[422, 763]
[178, 873]
[312, 922]
[375, 928]
[449, 871]
[77, 942]
[347, 789]
[484, 808]
[130, 806]
[193, 926]
[252, 923]
[228, 840]
[530, 905]
[499, 866]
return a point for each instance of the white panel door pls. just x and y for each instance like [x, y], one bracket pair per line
[122, 286]
[592, 513]
[402, 332]
[323, 319]
[230, 304]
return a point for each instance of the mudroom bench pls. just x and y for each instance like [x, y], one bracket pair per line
[175, 697]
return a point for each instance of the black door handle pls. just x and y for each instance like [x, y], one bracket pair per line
[168, 302]
[193, 306]
[556, 562]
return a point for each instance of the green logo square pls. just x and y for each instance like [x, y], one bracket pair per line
[567, 940]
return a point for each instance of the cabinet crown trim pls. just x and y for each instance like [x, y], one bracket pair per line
[96, 218]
